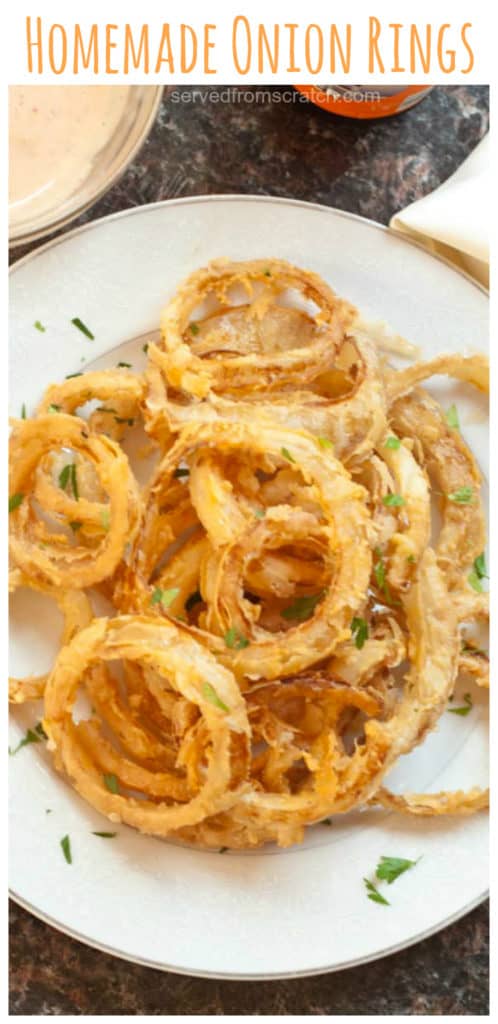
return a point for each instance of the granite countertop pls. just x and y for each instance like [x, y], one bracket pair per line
[203, 146]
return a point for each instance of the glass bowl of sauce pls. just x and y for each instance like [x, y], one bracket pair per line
[67, 145]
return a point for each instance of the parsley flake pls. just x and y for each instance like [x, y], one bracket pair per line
[14, 501]
[39, 326]
[464, 710]
[287, 455]
[66, 849]
[83, 328]
[374, 894]
[463, 496]
[390, 868]
[53, 408]
[181, 471]
[194, 328]
[35, 735]
[210, 694]
[23, 411]
[393, 442]
[359, 632]
[393, 500]
[105, 835]
[126, 366]
[303, 607]
[111, 783]
[452, 417]
[164, 597]
[68, 475]
[235, 640]
[325, 442]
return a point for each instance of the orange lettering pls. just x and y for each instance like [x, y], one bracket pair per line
[136, 56]
[424, 56]
[208, 45]
[243, 21]
[469, 49]
[57, 70]
[79, 50]
[373, 49]
[109, 45]
[335, 43]
[165, 44]
[441, 54]
[264, 42]
[184, 64]
[34, 44]
[313, 69]
[292, 41]
[396, 28]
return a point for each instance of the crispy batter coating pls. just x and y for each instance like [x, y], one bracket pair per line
[289, 620]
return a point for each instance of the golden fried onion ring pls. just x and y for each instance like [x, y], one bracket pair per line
[43, 554]
[178, 663]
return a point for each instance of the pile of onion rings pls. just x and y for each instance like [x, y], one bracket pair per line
[286, 619]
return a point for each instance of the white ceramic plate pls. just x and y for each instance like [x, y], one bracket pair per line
[274, 913]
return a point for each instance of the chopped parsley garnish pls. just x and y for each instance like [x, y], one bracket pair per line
[145, 348]
[393, 442]
[210, 694]
[374, 894]
[69, 376]
[105, 408]
[235, 640]
[452, 417]
[35, 735]
[126, 366]
[194, 328]
[411, 559]
[68, 475]
[23, 411]
[393, 500]
[193, 599]
[105, 835]
[164, 597]
[287, 455]
[83, 328]
[111, 782]
[53, 408]
[390, 868]
[14, 501]
[267, 273]
[39, 326]
[359, 632]
[129, 420]
[464, 710]
[66, 849]
[478, 573]
[181, 471]
[75, 525]
[326, 821]
[259, 513]
[325, 442]
[105, 518]
[303, 607]
[463, 496]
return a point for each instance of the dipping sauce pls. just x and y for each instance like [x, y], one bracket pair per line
[55, 135]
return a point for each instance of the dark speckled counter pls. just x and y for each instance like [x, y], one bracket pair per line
[203, 146]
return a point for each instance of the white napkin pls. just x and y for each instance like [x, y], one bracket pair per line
[453, 220]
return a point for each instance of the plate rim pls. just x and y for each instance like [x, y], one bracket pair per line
[129, 211]
[234, 976]
[25, 904]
